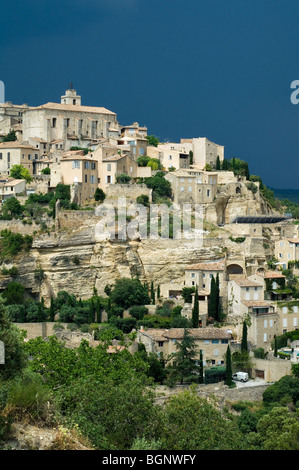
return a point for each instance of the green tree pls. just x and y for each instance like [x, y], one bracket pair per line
[46, 171]
[152, 140]
[192, 422]
[195, 310]
[277, 430]
[214, 299]
[20, 172]
[12, 207]
[187, 294]
[99, 195]
[201, 369]
[10, 137]
[14, 293]
[218, 165]
[153, 298]
[15, 355]
[228, 367]
[184, 360]
[128, 292]
[244, 345]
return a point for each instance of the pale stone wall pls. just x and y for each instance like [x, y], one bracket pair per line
[35, 330]
[273, 369]
[129, 191]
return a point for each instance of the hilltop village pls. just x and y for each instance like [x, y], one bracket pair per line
[61, 162]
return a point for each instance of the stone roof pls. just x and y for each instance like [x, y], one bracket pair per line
[256, 303]
[207, 266]
[273, 275]
[247, 283]
[178, 333]
[16, 144]
[293, 240]
[74, 107]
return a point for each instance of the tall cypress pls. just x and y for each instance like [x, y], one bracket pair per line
[195, 310]
[244, 347]
[52, 310]
[201, 368]
[153, 293]
[212, 299]
[217, 299]
[228, 368]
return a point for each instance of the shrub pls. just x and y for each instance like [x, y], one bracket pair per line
[138, 312]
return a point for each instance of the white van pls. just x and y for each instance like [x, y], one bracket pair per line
[241, 376]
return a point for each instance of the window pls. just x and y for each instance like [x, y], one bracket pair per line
[215, 341]
[109, 167]
[92, 179]
[75, 164]
[86, 165]
[0, 156]
[285, 322]
[207, 341]
[160, 344]
[295, 321]
[265, 337]
[8, 156]
[54, 122]
[224, 341]
[295, 309]
[284, 309]
[208, 192]
[93, 165]
[85, 178]
[192, 274]
[265, 323]
[169, 157]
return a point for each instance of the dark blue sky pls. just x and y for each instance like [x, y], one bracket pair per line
[220, 69]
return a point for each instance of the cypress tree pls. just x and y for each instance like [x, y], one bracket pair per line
[153, 293]
[244, 347]
[212, 299]
[158, 292]
[195, 310]
[228, 368]
[91, 313]
[52, 310]
[218, 163]
[275, 346]
[201, 367]
[98, 310]
[217, 299]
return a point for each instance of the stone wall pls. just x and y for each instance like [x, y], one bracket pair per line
[130, 191]
[17, 226]
[273, 369]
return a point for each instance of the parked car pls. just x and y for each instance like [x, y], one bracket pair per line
[240, 376]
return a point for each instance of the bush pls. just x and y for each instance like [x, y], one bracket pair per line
[138, 312]
[29, 398]
[13, 243]
[215, 374]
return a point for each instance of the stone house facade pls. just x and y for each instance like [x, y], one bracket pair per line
[191, 186]
[212, 341]
[17, 153]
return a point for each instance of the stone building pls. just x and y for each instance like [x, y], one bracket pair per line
[205, 152]
[191, 186]
[11, 187]
[17, 153]
[172, 156]
[67, 123]
[212, 341]
[81, 172]
[286, 250]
